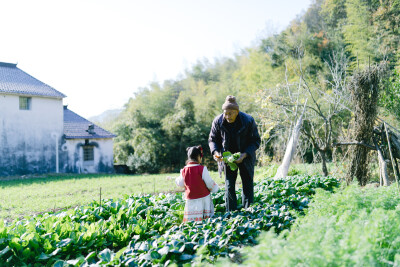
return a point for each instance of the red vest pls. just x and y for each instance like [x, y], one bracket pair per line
[195, 187]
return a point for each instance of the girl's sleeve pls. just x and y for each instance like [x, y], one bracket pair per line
[211, 185]
[179, 180]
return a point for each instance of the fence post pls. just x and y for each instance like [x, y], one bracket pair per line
[391, 157]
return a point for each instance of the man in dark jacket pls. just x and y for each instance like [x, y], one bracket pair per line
[235, 131]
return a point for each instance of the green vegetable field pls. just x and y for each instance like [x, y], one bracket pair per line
[353, 227]
[144, 230]
[33, 195]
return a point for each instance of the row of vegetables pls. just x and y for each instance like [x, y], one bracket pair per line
[144, 230]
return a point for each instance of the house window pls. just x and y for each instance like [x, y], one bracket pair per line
[25, 103]
[88, 153]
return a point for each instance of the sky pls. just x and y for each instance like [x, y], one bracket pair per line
[98, 52]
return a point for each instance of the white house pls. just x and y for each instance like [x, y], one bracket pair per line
[39, 135]
[87, 147]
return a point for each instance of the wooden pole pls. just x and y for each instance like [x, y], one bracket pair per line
[391, 157]
[396, 145]
[397, 167]
[383, 176]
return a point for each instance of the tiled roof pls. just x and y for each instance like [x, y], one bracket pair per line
[76, 127]
[15, 81]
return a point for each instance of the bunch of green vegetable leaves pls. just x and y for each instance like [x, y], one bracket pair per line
[230, 159]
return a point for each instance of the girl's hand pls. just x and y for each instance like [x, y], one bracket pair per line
[169, 178]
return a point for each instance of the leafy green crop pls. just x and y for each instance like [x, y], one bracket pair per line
[353, 227]
[146, 230]
[230, 159]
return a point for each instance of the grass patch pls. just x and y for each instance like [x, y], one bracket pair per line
[337, 169]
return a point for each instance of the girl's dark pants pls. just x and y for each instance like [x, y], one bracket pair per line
[230, 181]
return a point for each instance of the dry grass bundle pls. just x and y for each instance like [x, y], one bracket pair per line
[364, 87]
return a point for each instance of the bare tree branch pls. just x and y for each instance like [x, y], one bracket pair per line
[355, 143]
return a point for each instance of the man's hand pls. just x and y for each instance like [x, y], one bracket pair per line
[242, 157]
[217, 156]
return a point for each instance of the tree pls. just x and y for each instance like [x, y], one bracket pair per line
[334, 13]
[390, 95]
[358, 32]
[183, 130]
[386, 20]
[146, 156]
[326, 108]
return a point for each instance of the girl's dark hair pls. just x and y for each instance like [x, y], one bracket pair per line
[194, 152]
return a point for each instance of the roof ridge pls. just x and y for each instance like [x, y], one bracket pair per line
[8, 65]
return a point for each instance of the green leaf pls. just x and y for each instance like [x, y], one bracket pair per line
[59, 263]
[4, 251]
[186, 257]
[155, 255]
[105, 255]
[226, 154]
[90, 256]
[64, 242]
[55, 252]
[74, 262]
[182, 249]
[43, 256]
[164, 250]
[14, 244]
[120, 252]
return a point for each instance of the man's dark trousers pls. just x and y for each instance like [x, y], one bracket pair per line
[247, 183]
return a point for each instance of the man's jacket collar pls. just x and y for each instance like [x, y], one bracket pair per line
[242, 118]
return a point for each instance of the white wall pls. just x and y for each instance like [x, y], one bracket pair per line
[26, 142]
[72, 157]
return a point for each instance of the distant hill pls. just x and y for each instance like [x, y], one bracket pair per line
[105, 118]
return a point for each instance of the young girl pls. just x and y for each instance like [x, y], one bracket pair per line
[198, 184]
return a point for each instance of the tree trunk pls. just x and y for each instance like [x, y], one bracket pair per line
[290, 148]
[324, 168]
